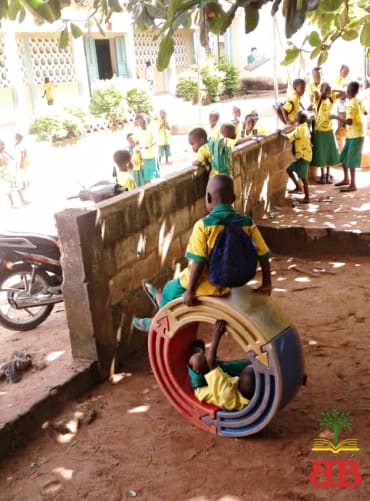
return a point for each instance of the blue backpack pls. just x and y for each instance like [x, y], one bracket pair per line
[233, 259]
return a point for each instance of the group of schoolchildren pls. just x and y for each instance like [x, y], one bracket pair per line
[14, 171]
[317, 145]
[228, 385]
[140, 162]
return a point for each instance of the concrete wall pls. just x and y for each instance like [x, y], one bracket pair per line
[143, 234]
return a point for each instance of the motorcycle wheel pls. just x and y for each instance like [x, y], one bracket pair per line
[22, 319]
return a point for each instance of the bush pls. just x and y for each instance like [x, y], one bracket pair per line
[231, 80]
[187, 85]
[52, 127]
[138, 101]
[212, 80]
[107, 101]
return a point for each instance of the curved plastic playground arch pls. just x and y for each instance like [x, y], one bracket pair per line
[263, 331]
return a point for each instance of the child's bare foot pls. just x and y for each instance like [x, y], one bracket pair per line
[348, 188]
[305, 200]
[322, 180]
[342, 183]
[328, 179]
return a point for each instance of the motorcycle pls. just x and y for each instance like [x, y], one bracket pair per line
[30, 271]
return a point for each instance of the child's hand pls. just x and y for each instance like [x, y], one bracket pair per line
[264, 289]
[189, 297]
[220, 328]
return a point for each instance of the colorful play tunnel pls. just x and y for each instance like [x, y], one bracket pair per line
[266, 337]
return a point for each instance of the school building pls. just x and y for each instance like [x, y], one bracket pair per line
[29, 53]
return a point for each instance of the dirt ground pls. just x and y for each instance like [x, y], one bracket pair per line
[134, 444]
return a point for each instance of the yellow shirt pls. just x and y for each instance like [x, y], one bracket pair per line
[214, 132]
[137, 160]
[302, 142]
[146, 142]
[49, 91]
[313, 89]
[126, 180]
[164, 132]
[323, 111]
[292, 106]
[353, 111]
[221, 390]
[204, 155]
[203, 239]
[238, 130]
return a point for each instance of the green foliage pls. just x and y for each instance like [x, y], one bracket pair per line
[231, 81]
[139, 101]
[56, 127]
[187, 85]
[107, 101]
[212, 81]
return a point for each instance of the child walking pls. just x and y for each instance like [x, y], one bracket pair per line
[164, 137]
[302, 151]
[137, 161]
[350, 157]
[123, 161]
[193, 280]
[147, 146]
[325, 151]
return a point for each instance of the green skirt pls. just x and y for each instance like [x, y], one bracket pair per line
[151, 169]
[351, 154]
[325, 150]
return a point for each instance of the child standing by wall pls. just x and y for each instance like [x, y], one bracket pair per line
[147, 146]
[350, 157]
[237, 123]
[22, 162]
[164, 137]
[123, 161]
[325, 151]
[301, 139]
[293, 104]
[137, 161]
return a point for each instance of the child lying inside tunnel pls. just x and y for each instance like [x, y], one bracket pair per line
[228, 385]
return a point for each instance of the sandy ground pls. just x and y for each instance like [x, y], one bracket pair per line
[137, 445]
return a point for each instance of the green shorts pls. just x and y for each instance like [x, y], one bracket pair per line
[172, 290]
[164, 150]
[351, 154]
[300, 167]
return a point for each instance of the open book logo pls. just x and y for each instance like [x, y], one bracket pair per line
[335, 421]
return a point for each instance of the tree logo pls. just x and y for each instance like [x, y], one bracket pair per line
[335, 421]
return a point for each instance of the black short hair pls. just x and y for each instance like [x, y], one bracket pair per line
[198, 133]
[298, 81]
[121, 157]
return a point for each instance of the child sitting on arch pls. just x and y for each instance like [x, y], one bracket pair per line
[194, 279]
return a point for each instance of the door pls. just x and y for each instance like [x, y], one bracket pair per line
[121, 57]
[91, 59]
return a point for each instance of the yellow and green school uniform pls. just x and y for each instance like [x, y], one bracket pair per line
[137, 161]
[204, 156]
[49, 92]
[292, 106]
[164, 138]
[126, 180]
[301, 138]
[214, 132]
[313, 88]
[325, 150]
[146, 143]
[351, 154]
[221, 390]
[200, 245]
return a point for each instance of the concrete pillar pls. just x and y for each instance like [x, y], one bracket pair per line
[80, 67]
[130, 52]
[14, 70]
[86, 288]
